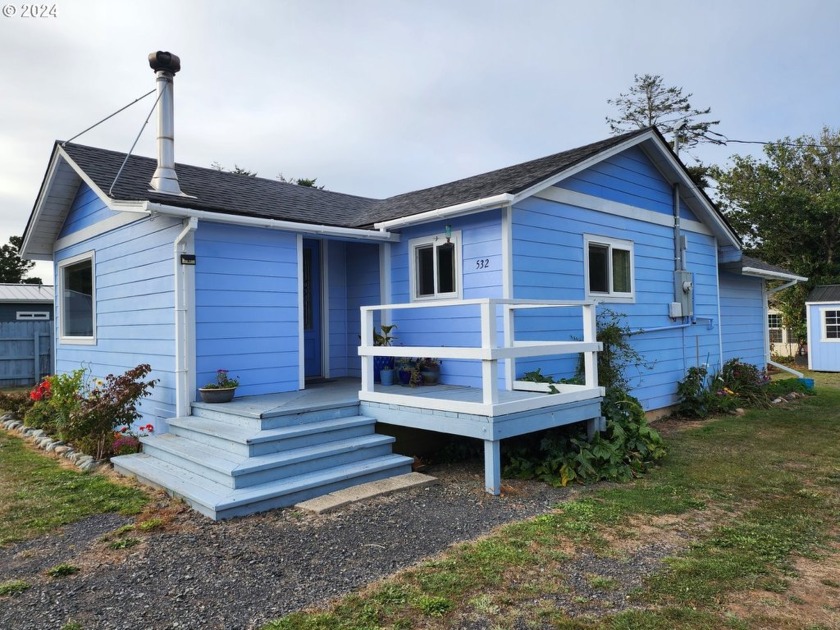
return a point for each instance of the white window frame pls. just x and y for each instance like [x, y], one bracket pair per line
[59, 302]
[32, 315]
[823, 312]
[435, 241]
[610, 243]
[780, 328]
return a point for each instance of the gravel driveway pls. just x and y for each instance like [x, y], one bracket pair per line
[241, 573]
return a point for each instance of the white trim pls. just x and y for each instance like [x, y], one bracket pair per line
[607, 206]
[610, 243]
[507, 289]
[36, 213]
[85, 177]
[184, 287]
[31, 316]
[385, 281]
[309, 229]
[823, 338]
[808, 334]
[435, 241]
[100, 227]
[301, 347]
[773, 275]
[76, 340]
[766, 310]
[717, 297]
[447, 212]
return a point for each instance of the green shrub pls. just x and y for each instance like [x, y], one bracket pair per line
[92, 424]
[16, 403]
[627, 448]
[41, 416]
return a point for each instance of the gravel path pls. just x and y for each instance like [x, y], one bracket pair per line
[241, 573]
[195, 573]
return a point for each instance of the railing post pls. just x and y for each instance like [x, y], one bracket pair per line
[367, 341]
[590, 335]
[510, 364]
[489, 367]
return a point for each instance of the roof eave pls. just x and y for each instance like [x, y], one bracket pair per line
[771, 275]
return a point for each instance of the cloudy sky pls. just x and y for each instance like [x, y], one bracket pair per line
[378, 97]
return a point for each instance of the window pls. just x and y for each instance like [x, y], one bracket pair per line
[609, 268]
[434, 265]
[30, 315]
[774, 324]
[831, 325]
[77, 305]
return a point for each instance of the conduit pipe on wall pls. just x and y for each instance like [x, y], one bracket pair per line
[183, 307]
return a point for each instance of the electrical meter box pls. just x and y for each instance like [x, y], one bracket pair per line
[684, 292]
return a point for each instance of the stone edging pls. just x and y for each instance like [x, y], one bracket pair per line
[39, 438]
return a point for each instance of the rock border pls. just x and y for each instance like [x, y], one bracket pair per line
[47, 443]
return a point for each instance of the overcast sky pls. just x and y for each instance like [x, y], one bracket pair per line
[379, 97]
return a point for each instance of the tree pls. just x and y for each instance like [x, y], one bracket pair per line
[650, 103]
[12, 267]
[300, 181]
[237, 170]
[786, 207]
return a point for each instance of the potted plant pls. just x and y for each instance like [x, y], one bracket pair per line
[383, 338]
[220, 391]
[404, 368]
[430, 370]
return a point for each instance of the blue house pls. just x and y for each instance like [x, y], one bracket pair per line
[192, 270]
[822, 308]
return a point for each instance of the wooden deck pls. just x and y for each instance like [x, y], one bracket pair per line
[451, 409]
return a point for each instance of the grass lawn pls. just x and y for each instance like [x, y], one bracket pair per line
[746, 506]
[38, 495]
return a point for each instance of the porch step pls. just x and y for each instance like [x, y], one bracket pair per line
[221, 502]
[242, 413]
[227, 469]
[244, 441]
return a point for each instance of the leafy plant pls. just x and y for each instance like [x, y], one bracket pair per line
[627, 448]
[124, 543]
[223, 381]
[384, 338]
[92, 425]
[737, 384]
[16, 403]
[62, 570]
[13, 587]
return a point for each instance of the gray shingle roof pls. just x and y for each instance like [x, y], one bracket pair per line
[755, 263]
[217, 191]
[825, 293]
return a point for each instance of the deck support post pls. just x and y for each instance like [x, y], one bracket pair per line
[493, 467]
[594, 425]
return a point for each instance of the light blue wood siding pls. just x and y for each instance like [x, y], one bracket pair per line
[363, 289]
[824, 354]
[631, 178]
[548, 250]
[134, 307]
[246, 282]
[744, 322]
[87, 209]
[337, 314]
[481, 276]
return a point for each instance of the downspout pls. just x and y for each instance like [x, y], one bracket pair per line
[183, 306]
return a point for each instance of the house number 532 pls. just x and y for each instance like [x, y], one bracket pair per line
[482, 263]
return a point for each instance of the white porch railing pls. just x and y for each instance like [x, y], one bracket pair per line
[492, 401]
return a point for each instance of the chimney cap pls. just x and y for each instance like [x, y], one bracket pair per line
[165, 61]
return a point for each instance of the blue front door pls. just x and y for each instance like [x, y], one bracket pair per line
[312, 346]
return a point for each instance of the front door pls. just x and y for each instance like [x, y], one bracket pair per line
[312, 340]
